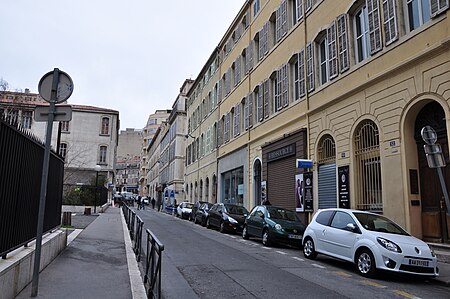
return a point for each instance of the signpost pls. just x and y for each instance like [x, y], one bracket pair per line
[54, 87]
[435, 158]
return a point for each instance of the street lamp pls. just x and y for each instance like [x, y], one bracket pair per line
[97, 168]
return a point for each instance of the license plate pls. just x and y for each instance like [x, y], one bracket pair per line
[294, 236]
[420, 263]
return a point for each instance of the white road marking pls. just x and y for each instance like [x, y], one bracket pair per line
[319, 266]
[298, 259]
[280, 252]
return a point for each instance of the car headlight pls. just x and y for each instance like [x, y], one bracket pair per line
[432, 251]
[278, 227]
[232, 220]
[389, 245]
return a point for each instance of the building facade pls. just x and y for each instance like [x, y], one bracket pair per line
[128, 160]
[89, 139]
[154, 121]
[347, 85]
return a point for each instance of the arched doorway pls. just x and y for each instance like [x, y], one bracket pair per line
[326, 158]
[214, 189]
[435, 222]
[257, 181]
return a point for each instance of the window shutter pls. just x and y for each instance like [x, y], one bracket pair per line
[284, 25]
[438, 6]
[332, 50]
[277, 91]
[247, 19]
[261, 43]
[299, 9]
[266, 98]
[236, 118]
[220, 129]
[249, 53]
[219, 91]
[390, 21]
[308, 5]
[285, 85]
[250, 109]
[343, 43]
[246, 113]
[260, 102]
[228, 126]
[266, 38]
[301, 73]
[373, 12]
[278, 24]
[310, 66]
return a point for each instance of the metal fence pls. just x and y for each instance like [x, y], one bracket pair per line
[153, 260]
[21, 161]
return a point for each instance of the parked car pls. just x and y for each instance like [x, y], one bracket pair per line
[184, 210]
[368, 240]
[202, 213]
[145, 200]
[226, 217]
[274, 225]
[195, 207]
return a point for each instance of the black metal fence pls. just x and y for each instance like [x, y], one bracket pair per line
[153, 260]
[21, 160]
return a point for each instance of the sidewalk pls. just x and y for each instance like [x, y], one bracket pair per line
[94, 265]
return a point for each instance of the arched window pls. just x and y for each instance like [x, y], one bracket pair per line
[207, 189]
[326, 158]
[368, 167]
[201, 189]
[105, 126]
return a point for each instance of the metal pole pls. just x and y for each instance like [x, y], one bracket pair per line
[444, 189]
[95, 196]
[43, 194]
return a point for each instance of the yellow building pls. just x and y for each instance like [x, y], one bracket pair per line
[348, 85]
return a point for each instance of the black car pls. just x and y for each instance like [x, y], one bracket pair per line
[202, 213]
[226, 217]
[274, 225]
[195, 207]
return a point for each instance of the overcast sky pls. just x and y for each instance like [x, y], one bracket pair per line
[131, 56]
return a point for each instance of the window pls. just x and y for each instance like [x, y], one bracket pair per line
[264, 40]
[341, 219]
[280, 88]
[105, 126]
[438, 6]
[295, 78]
[389, 21]
[247, 57]
[297, 10]
[208, 141]
[256, 7]
[259, 102]
[103, 152]
[361, 35]
[65, 126]
[248, 111]
[237, 71]
[332, 51]
[368, 167]
[373, 14]
[323, 59]
[266, 98]
[27, 117]
[418, 13]
[309, 4]
[324, 217]
[63, 150]
[233, 182]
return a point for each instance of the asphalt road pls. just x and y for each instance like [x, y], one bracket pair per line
[203, 263]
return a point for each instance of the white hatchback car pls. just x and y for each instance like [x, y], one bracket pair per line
[369, 240]
[184, 210]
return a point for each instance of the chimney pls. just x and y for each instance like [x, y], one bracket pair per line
[27, 90]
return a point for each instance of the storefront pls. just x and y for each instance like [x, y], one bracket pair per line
[280, 172]
[233, 182]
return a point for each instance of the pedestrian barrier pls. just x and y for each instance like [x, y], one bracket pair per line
[152, 277]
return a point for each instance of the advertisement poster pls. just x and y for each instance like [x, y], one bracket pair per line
[344, 187]
[308, 191]
[263, 191]
[299, 190]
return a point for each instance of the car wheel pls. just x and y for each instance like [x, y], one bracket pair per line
[245, 233]
[222, 227]
[365, 263]
[309, 250]
[208, 225]
[265, 238]
[203, 222]
[195, 220]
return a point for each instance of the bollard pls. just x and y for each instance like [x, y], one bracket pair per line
[67, 219]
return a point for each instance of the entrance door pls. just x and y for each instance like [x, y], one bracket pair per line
[435, 221]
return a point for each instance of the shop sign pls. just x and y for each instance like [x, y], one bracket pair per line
[344, 187]
[263, 191]
[281, 152]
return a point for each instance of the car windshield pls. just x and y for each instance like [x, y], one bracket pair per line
[189, 205]
[379, 223]
[237, 210]
[279, 213]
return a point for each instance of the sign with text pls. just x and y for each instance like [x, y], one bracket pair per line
[308, 191]
[344, 187]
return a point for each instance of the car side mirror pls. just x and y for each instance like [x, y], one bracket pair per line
[351, 227]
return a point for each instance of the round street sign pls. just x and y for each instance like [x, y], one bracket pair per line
[428, 135]
[64, 89]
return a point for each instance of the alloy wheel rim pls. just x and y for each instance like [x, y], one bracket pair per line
[265, 237]
[364, 263]
[308, 248]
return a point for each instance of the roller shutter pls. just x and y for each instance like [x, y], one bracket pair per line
[327, 186]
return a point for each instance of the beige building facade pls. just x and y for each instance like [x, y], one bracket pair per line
[346, 85]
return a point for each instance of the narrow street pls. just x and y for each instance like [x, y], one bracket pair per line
[203, 263]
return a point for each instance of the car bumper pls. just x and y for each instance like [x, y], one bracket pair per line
[406, 263]
[287, 238]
